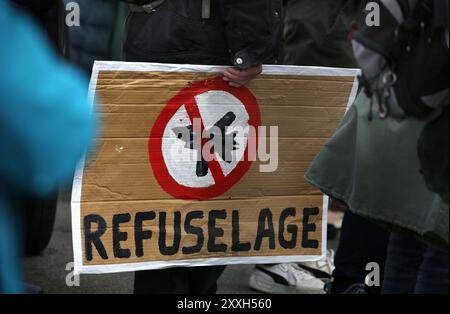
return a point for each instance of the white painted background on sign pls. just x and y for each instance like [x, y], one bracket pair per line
[213, 106]
[181, 162]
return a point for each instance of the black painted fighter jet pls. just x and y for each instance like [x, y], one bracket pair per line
[224, 144]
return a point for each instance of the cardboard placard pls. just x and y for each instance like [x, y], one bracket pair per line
[140, 203]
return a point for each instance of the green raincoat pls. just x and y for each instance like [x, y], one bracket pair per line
[373, 166]
[316, 32]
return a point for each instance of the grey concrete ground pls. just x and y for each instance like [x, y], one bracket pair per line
[49, 270]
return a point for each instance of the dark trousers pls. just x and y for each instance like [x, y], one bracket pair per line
[361, 242]
[413, 267]
[196, 280]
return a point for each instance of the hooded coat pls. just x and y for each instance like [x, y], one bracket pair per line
[45, 127]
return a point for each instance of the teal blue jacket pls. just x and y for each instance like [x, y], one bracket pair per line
[45, 127]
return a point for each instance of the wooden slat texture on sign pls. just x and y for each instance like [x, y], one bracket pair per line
[249, 211]
[307, 113]
[134, 150]
[118, 182]
[113, 182]
[294, 121]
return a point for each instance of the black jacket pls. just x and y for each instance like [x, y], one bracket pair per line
[101, 26]
[239, 32]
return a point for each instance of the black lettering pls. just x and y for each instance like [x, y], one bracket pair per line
[307, 228]
[291, 229]
[139, 234]
[169, 250]
[94, 237]
[120, 236]
[214, 232]
[237, 245]
[265, 218]
[195, 231]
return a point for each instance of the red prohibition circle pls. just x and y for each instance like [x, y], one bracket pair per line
[187, 97]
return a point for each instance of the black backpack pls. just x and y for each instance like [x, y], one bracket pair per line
[405, 60]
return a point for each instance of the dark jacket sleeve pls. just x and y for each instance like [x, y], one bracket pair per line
[249, 30]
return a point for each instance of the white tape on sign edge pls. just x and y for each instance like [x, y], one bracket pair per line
[79, 268]
[267, 69]
[77, 187]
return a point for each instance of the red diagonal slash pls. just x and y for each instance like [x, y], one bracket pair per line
[194, 113]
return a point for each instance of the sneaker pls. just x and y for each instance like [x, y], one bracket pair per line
[322, 269]
[285, 279]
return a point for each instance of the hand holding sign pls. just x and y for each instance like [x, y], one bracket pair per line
[238, 77]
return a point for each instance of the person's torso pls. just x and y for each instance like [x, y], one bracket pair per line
[177, 33]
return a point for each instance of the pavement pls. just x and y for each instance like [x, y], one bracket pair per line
[52, 268]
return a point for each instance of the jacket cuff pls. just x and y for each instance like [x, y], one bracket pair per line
[243, 60]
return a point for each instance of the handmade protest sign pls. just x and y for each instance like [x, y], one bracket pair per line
[189, 171]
